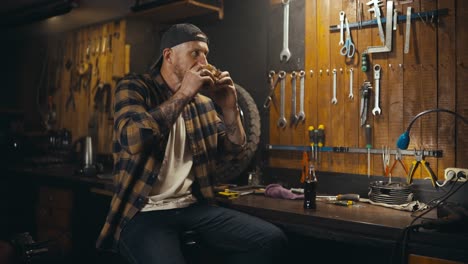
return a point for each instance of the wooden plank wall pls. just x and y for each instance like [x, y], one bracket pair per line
[432, 75]
[107, 65]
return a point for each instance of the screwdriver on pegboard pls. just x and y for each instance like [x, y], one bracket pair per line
[368, 146]
[313, 142]
[320, 140]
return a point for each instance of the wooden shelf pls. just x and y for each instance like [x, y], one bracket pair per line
[179, 9]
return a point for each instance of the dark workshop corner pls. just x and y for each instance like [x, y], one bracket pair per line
[55, 202]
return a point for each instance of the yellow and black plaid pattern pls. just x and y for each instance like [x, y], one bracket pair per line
[139, 143]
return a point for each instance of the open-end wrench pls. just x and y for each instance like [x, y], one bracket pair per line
[272, 87]
[342, 15]
[301, 114]
[282, 119]
[351, 95]
[271, 75]
[334, 100]
[376, 110]
[293, 98]
[285, 53]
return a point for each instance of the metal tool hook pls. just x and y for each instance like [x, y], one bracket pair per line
[419, 15]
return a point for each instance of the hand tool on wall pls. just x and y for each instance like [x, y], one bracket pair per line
[348, 49]
[386, 162]
[104, 43]
[395, 19]
[72, 87]
[285, 53]
[377, 110]
[282, 119]
[419, 159]
[397, 160]
[88, 49]
[316, 149]
[96, 68]
[368, 146]
[387, 47]
[376, 9]
[403, 2]
[320, 141]
[432, 14]
[301, 114]
[272, 86]
[334, 100]
[342, 17]
[102, 92]
[408, 29]
[293, 98]
[312, 142]
[359, 14]
[85, 71]
[351, 95]
[365, 95]
[97, 48]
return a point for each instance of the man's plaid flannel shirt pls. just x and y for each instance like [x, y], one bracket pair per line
[139, 143]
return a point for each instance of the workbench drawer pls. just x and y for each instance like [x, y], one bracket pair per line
[53, 217]
[55, 198]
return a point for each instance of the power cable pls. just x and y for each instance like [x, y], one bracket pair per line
[406, 231]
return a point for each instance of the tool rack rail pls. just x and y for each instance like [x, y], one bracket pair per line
[426, 153]
[427, 15]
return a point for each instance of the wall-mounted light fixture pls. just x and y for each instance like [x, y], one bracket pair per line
[404, 139]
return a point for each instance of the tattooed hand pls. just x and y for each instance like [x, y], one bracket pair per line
[224, 92]
[194, 79]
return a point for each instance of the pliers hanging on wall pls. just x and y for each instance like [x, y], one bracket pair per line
[419, 156]
[397, 160]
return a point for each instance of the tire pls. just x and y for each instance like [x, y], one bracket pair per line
[251, 121]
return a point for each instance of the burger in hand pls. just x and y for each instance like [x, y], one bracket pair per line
[214, 71]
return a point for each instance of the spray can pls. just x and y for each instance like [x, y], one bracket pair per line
[310, 188]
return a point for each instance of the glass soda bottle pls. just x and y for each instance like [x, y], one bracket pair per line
[310, 188]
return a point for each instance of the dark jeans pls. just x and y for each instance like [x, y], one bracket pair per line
[154, 237]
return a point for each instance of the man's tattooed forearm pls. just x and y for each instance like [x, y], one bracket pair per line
[171, 109]
[231, 129]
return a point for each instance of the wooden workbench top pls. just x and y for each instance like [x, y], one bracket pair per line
[362, 223]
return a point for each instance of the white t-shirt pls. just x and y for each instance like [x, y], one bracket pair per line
[172, 188]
